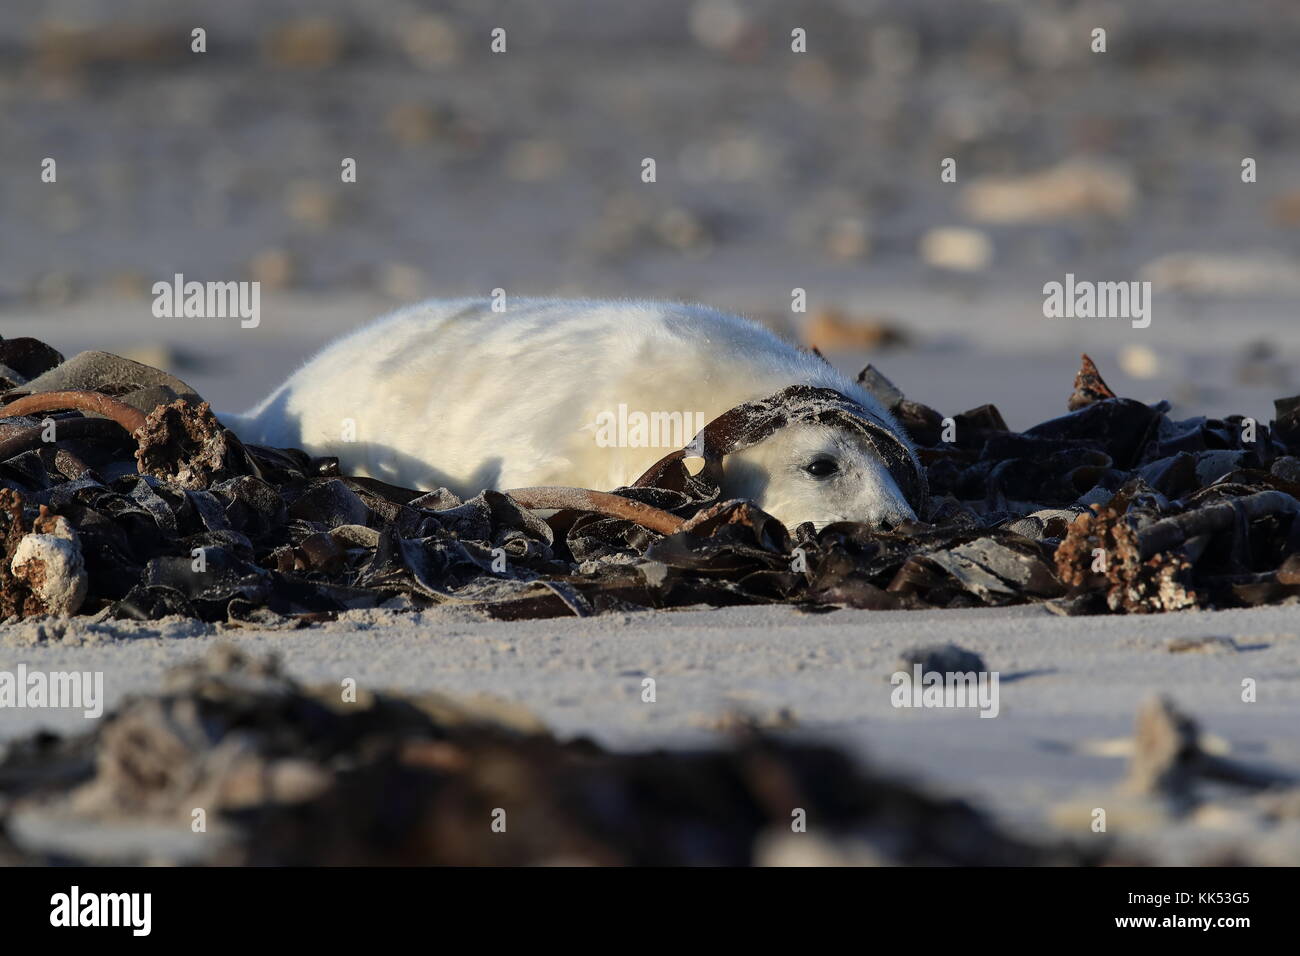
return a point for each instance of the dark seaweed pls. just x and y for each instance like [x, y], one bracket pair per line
[1112, 507]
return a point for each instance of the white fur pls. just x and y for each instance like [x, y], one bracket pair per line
[452, 394]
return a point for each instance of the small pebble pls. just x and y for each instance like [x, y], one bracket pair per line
[943, 658]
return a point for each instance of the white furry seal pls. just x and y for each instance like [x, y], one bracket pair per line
[587, 394]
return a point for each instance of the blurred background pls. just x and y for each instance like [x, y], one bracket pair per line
[775, 170]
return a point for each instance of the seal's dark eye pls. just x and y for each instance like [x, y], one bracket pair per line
[822, 467]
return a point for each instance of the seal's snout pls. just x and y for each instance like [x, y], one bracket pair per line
[889, 510]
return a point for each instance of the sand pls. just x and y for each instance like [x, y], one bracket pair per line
[1069, 688]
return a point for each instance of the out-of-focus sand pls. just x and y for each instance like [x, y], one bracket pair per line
[1069, 688]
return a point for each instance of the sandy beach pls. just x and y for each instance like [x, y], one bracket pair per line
[1070, 689]
[822, 173]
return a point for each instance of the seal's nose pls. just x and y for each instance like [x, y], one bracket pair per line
[908, 525]
[896, 514]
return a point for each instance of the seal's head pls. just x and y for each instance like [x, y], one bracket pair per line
[808, 471]
[812, 454]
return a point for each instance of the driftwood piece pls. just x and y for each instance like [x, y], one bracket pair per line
[96, 403]
[598, 502]
[1170, 532]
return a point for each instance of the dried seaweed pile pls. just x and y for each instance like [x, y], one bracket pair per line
[289, 775]
[121, 495]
